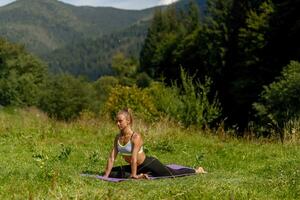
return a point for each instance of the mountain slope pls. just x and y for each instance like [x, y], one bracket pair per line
[92, 57]
[45, 25]
[77, 40]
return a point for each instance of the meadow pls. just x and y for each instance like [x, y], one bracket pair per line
[42, 158]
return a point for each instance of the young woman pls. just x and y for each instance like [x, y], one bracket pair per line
[129, 144]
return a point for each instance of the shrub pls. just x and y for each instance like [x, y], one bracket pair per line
[167, 100]
[103, 87]
[134, 98]
[197, 109]
[66, 96]
[189, 105]
[143, 80]
[279, 101]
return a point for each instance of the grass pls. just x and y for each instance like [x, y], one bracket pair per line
[42, 159]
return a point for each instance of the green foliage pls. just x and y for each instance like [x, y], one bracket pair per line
[192, 18]
[131, 97]
[189, 105]
[216, 33]
[280, 100]
[167, 30]
[21, 76]
[143, 80]
[183, 39]
[197, 109]
[167, 100]
[104, 85]
[66, 96]
[123, 66]
[252, 39]
[237, 44]
[257, 23]
[126, 71]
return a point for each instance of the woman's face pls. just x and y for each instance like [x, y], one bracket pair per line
[122, 121]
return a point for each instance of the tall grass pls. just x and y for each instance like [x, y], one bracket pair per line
[42, 159]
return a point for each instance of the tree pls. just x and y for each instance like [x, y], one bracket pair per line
[66, 96]
[21, 76]
[159, 56]
[238, 44]
[149, 57]
[279, 102]
[244, 73]
[103, 87]
[283, 43]
[122, 66]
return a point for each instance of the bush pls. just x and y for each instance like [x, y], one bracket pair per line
[189, 105]
[167, 100]
[66, 96]
[279, 101]
[197, 109]
[143, 80]
[103, 87]
[134, 98]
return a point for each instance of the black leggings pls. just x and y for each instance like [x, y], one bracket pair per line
[151, 166]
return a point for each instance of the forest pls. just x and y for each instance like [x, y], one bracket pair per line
[235, 65]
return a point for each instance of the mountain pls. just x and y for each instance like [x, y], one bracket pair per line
[92, 57]
[77, 40]
[46, 25]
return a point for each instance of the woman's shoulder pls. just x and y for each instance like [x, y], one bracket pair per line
[117, 136]
[136, 136]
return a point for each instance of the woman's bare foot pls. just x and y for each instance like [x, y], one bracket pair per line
[200, 170]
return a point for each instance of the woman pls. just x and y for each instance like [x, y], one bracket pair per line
[129, 144]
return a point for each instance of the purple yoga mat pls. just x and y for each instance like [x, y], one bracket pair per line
[173, 166]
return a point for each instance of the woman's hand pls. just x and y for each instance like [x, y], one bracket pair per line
[105, 177]
[134, 176]
[140, 176]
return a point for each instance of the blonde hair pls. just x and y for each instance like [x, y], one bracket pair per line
[128, 114]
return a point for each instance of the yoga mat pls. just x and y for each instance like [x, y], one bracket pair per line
[173, 166]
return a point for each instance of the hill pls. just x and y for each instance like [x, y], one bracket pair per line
[46, 25]
[77, 40]
[92, 57]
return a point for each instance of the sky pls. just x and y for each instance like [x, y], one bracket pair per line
[123, 4]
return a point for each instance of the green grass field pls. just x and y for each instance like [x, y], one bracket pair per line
[42, 159]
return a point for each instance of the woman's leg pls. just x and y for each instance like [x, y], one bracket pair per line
[182, 171]
[120, 172]
[156, 168]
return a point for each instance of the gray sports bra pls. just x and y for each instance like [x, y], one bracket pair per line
[126, 150]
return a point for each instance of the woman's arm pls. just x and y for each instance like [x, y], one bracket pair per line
[111, 159]
[137, 143]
